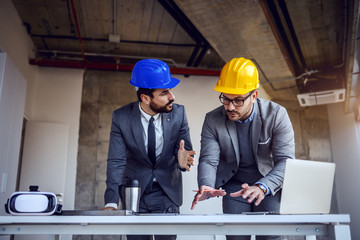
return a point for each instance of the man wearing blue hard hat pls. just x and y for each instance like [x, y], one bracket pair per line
[150, 142]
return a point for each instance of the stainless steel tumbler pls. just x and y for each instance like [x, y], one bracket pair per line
[132, 195]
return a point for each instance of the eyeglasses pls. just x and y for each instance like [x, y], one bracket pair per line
[237, 102]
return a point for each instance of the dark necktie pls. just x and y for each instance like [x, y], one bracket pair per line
[151, 141]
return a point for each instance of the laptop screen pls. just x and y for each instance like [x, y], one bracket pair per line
[307, 187]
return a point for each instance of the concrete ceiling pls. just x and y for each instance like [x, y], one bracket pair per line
[299, 46]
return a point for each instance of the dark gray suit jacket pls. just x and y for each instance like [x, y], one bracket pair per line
[127, 157]
[272, 138]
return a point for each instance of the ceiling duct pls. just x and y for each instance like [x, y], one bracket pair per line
[115, 38]
[322, 97]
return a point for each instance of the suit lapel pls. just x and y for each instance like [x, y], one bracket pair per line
[231, 127]
[166, 119]
[256, 128]
[137, 129]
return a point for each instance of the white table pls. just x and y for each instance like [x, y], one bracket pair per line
[216, 224]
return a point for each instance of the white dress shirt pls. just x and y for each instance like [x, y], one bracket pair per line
[145, 118]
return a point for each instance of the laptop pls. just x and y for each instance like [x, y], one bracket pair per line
[307, 187]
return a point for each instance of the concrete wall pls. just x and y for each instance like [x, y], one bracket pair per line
[104, 91]
[311, 130]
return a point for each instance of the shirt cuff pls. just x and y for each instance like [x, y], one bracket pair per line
[114, 205]
[180, 168]
[267, 188]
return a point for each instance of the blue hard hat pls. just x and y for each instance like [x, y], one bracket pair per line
[152, 73]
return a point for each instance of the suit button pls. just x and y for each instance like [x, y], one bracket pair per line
[223, 181]
[233, 171]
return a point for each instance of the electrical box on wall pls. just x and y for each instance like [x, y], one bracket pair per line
[321, 97]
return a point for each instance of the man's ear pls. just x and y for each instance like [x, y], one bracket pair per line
[254, 96]
[145, 98]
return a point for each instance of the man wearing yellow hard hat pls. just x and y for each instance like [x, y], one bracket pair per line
[244, 145]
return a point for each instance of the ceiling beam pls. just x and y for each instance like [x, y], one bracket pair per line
[116, 67]
[190, 29]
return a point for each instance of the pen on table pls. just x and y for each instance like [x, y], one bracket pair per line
[214, 190]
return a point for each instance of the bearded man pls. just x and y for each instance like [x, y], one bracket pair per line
[150, 142]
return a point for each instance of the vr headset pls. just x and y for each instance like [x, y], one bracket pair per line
[32, 203]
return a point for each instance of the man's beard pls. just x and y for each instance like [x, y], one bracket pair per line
[158, 109]
[233, 118]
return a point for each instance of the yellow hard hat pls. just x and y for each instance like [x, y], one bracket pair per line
[239, 76]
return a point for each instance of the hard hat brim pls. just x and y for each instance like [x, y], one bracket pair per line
[235, 91]
[170, 84]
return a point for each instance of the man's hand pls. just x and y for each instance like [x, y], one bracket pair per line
[250, 192]
[185, 158]
[108, 208]
[206, 192]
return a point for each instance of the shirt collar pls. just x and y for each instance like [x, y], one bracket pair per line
[147, 116]
[249, 119]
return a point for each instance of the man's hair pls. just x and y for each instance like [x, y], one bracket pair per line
[146, 91]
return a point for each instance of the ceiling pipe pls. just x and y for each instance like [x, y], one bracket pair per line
[174, 11]
[114, 37]
[193, 55]
[106, 40]
[290, 26]
[56, 54]
[182, 20]
[201, 55]
[114, 17]
[77, 29]
[277, 37]
[346, 2]
[270, 82]
[302, 75]
[116, 67]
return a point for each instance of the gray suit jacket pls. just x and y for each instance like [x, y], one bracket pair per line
[272, 138]
[127, 156]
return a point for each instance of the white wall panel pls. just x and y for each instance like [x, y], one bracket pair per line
[12, 102]
[44, 156]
